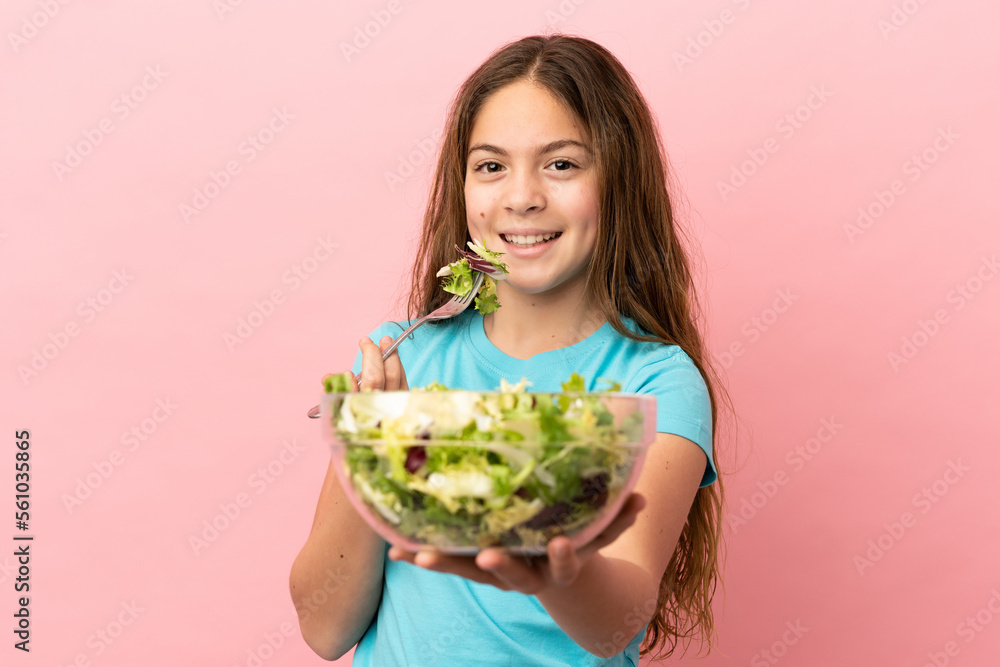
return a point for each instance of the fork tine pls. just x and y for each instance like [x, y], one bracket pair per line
[475, 288]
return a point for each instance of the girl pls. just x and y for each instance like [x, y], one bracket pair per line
[551, 156]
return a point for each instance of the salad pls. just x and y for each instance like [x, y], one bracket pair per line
[458, 276]
[468, 469]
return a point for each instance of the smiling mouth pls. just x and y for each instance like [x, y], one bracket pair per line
[530, 240]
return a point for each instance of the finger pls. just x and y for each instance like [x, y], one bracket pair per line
[513, 572]
[395, 378]
[403, 384]
[564, 565]
[398, 553]
[431, 559]
[372, 368]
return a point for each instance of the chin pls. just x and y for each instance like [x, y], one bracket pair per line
[520, 289]
[536, 286]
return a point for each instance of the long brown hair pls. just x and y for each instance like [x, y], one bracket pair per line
[639, 269]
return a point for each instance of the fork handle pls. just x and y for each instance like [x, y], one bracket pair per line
[401, 337]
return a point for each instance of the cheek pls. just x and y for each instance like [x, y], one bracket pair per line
[581, 202]
[475, 214]
[477, 228]
[473, 201]
[478, 206]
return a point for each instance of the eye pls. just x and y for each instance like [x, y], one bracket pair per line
[489, 167]
[562, 165]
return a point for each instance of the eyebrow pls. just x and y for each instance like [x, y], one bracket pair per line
[547, 148]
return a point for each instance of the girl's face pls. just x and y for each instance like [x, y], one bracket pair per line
[531, 190]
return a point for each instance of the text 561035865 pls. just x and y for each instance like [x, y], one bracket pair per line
[22, 515]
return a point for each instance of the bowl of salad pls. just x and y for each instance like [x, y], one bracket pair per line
[464, 470]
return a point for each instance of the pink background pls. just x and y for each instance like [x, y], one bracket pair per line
[852, 296]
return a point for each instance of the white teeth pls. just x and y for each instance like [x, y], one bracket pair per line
[530, 239]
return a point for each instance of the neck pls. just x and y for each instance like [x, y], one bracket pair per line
[529, 324]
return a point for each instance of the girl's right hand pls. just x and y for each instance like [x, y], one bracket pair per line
[376, 374]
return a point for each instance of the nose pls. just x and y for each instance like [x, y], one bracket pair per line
[523, 192]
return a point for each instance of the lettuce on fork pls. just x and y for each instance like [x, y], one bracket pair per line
[458, 276]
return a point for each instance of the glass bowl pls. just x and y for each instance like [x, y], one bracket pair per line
[465, 470]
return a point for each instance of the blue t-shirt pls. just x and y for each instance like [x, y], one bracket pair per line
[431, 619]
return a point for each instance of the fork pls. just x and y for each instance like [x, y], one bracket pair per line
[455, 306]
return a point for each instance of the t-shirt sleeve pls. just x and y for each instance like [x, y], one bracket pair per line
[683, 406]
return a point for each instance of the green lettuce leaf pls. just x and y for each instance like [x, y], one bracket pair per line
[459, 282]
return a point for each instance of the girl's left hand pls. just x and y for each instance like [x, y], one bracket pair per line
[559, 567]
